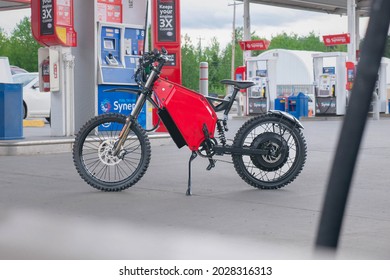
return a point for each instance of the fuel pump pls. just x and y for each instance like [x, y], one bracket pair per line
[379, 95]
[119, 49]
[326, 94]
[330, 77]
[259, 95]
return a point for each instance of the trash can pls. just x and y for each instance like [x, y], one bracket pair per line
[280, 104]
[11, 111]
[298, 105]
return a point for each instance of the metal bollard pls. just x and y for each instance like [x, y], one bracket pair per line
[204, 78]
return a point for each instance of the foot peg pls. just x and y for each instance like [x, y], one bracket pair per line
[211, 164]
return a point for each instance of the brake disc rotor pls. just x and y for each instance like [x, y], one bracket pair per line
[105, 152]
[278, 151]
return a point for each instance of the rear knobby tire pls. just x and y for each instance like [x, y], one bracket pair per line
[275, 170]
[92, 153]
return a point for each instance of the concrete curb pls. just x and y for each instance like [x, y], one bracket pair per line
[52, 146]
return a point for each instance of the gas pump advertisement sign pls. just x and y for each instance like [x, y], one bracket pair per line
[52, 22]
[64, 12]
[120, 102]
[47, 17]
[166, 33]
[166, 20]
[326, 106]
[109, 13]
[117, 2]
[171, 60]
[257, 105]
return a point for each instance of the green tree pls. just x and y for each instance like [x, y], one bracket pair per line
[22, 47]
[312, 42]
[212, 56]
[3, 43]
[150, 46]
[387, 50]
[295, 42]
[190, 64]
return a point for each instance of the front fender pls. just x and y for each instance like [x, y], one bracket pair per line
[123, 89]
[286, 116]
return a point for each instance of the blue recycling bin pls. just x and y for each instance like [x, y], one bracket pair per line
[11, 111]
[298, 105]
[280, 104]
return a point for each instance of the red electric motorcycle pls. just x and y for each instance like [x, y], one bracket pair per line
[112, 152]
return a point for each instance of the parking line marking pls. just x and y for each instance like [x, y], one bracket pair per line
[33, 123]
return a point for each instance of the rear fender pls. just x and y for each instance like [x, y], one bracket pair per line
[284, 115]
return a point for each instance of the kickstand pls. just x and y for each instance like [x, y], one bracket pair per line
[193, 156]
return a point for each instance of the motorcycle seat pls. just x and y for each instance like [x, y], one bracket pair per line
[238, 84]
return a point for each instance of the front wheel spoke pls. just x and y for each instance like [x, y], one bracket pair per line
[120, 171]
[100, 173]
[92, 167]
[132, 163]
[105, 170]
[91, 146]
[132, 149]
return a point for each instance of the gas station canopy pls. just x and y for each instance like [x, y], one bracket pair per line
[14, 4]
[326, 6]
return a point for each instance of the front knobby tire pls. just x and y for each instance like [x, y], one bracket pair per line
[287, 155]
[93, 158]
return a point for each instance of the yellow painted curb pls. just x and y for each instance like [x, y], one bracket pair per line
[33, 123]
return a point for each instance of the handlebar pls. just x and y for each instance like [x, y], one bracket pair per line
[146, 64]
[155, 56]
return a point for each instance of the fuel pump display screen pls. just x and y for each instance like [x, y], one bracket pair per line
[109, 44]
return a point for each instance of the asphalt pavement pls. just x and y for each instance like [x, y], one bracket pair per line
[49, 212]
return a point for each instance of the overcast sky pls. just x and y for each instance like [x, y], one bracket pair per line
[204, 19]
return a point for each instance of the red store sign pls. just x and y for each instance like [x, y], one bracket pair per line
[337, 39]
[254, 45]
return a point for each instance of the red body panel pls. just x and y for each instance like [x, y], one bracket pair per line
[189, 111]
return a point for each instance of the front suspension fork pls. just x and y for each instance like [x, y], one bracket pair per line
[129, 121]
